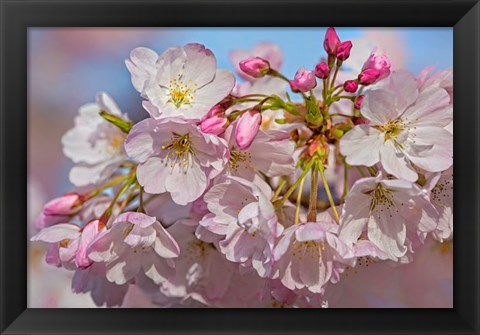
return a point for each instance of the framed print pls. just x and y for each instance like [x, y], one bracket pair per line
[281, 169]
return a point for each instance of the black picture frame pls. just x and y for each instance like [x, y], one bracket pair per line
[18, 15]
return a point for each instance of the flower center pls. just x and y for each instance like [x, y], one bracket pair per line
[308, 248]
[178, 150]
[380, 196]
[238, 158]
[198, 250]
[393, 128]
[181, 93]
[440, 195]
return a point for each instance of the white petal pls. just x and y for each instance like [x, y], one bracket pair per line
[361, 145]
[395, 162]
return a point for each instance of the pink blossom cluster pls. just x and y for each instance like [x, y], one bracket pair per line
[230, 194]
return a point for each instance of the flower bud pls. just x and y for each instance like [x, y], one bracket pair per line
[350, 86]
[343, 50]
[293, 86]
[369, 76]
[256, 67]
[358, 102]
[304, 80]
[322, 70]
[215, 122]
[357, 120]
[247, 128]
[380, 63]
[59, 210]
[331, 41]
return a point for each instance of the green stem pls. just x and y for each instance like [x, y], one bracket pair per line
[329, 195]
[332, 84]
[312, 206]
[292, 188]
[345, 181]
[280, 187]
[98, 190]
[361, 171]
[299, 201]
[372, 170]
[108, 212]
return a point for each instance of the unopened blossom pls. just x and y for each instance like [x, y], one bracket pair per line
[247, 128]
[406, 128]
[440, 186]
[322, 70]
[392, 211]
[343, 50]
[94, 144]
[174, 156]
[350, 86]
[307, 254]
[244, 215]
[215, 122]
[255, 67]
[135, 243]
[182, 82]
[265, 50]
[369, 76]
[331, 41]
[59, 210]
[358, 102]
[304, 80]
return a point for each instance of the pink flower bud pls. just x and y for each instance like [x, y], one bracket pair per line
[293, 87]
[369, 76]
[247, 128]
[215, 122]
[256, 67]
[350, 86]
[343, 50]
[358, 102]
[380, 63]
[89, 232]
[58, 210]
[331, 41]
[322, 70]
[304, 80]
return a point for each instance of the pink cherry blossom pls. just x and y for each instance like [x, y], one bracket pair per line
[307, 254]
[393, 212]
[175, 157]
[244, 215]
[406, 128]
[94, 144]
[135, 243]
[182, 82]
[215, 121]
[343, 50]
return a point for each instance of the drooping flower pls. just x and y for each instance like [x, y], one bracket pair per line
[68, 243]
[307, 254]
[244, 215]
[182, 82]
[393, 212]
[135, 243]
[174, 156]
[94, 144]
[405, 128]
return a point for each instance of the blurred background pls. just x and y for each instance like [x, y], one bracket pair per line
[67, 67]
